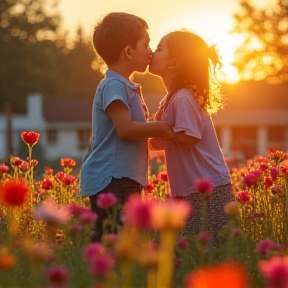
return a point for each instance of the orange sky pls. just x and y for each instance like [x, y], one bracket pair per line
[211, 19]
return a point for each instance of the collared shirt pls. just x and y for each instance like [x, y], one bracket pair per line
[203, 160]
[111, 156]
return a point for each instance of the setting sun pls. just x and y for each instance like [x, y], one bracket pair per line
[210, 19]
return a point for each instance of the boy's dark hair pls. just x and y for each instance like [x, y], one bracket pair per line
[116, 31]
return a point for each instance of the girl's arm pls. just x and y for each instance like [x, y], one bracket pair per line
[132, 130]
[186, 141]
[157, 144]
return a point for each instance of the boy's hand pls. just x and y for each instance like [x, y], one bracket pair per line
[168, 134]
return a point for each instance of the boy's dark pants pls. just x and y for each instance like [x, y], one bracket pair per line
[122, 189]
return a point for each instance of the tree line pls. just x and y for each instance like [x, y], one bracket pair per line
[35, 56]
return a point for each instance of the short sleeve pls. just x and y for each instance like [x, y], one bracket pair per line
[114, 90]
[186, 119]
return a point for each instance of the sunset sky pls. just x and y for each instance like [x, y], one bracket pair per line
[211, 19]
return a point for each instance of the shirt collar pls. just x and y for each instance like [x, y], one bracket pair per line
[112, 74]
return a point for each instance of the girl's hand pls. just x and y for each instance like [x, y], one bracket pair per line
[159, 114]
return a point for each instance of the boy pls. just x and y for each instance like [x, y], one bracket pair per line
[118, 159]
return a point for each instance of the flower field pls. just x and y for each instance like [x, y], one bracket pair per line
[45, 230]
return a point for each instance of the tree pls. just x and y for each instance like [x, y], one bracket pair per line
[35, 57]
[264, 53]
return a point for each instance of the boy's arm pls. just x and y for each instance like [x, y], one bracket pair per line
[132, 130]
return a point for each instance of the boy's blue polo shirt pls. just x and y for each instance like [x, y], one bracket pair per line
[112, 156]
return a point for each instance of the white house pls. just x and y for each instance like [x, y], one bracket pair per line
[255, 120]
[64, 126]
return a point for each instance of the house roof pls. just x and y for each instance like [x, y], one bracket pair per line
[256, 95]
[67, 110]
[246, 95]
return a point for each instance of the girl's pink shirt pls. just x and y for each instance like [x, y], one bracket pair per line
[205, 159]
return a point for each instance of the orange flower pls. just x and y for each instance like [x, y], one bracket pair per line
[225, 275]
[30, 138]
[13, 193]
[7, 262]
[68, 162]
[48, 170]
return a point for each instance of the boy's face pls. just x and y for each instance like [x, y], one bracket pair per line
[160, 59]
[142, 53]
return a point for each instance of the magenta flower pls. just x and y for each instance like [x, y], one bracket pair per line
[3, 169]
[106, 200]
[102, 264]
[275, 270]
[138, 212]
[274, 173]
[204, 238]
[179, 263]
[93, 250]
[264, 246]
[251, 178]
[203, 186]
[110, 238]
[87, 217]
[182, 243]
[243, 197]
[57, 275]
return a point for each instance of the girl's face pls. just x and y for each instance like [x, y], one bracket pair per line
[160, 59]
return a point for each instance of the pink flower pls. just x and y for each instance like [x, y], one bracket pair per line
[102, 264]
[75, 229]
[106, 200]
[264, 246]
[182, 243]
[243, 197]
[203, 186]
[138, 212]
[204, 238]
[275, 270]
[57, 275]
[87, 217]
[110, 238]
[93, 250]
[237, 232]
[76, 210]
[252, 178]
[52, 213]
[276, 189]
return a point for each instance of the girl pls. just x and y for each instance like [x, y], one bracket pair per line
[184, 62]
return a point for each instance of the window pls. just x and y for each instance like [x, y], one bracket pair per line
[52, 136]
[277, 137]
[244, 140]
[83, 138]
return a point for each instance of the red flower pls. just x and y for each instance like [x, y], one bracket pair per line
[30, 138]
[243, 197]
[15, 161]
[162, 177]
[57, 274]
[67, 162]
[47, 184]
[203, 186]
[4, 168]
[34, 162]
[13, 193]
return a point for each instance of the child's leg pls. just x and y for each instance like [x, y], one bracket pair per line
[193, 221]
[122, 189]
[216, 217]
